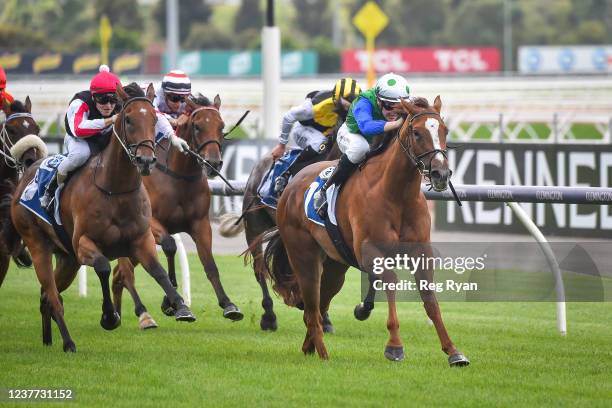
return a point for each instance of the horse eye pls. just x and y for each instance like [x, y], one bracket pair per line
[128, 120]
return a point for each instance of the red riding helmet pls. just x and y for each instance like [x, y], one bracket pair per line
[2, 78]
[104, 81]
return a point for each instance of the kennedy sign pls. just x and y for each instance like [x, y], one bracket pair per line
[485, 164]
[423, 60]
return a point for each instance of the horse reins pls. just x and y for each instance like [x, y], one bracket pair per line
[425, 171]
[130, 149]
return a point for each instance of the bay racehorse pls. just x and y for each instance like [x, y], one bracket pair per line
[105, 213]
[382, 203]
[20, 146]
[180, 201]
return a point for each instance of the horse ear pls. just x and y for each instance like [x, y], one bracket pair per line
[150, 92]
[217, 101]
[191, 105]
[408, 106]
[28, 104]
[437, 104]
[6, 107]
[121, 93]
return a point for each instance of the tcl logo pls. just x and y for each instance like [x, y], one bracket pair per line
[423, 60]
[460, 60]
[384, 61]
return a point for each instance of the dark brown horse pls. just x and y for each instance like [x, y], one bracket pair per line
[105, 212]
[257, 218]
[382, 203]
[20, 146]
[180, 200]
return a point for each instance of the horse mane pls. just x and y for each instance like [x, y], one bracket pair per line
[134, 90]
[18, 107]
[420, 102]
[201, 100]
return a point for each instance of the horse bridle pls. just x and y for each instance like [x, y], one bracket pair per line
[132, 149]
[193, 133]
[417, 160]
[7, 144]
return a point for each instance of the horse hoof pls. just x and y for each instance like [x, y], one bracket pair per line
[183, 314]
[268, 322]
[69, 347]
[361, 312]
[145, 321]
[167, 308]
[458, 360]
[110, 322]
[232, 312]
[328, 328]
[394, 353]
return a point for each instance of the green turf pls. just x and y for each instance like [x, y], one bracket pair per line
[518, 358]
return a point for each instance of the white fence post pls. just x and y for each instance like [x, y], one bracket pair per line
[184, 262]
[83, 281]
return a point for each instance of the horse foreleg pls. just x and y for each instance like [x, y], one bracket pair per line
[202, 235]
[123, 276]
[394, 350]
[4, 265]
[89, 254]
[168, 245]
[144, 252]
[432, 309]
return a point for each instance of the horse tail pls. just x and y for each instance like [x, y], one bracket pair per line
[230, 225]
[278, 268]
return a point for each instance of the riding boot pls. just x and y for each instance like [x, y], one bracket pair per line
[55, 183]
[341, 173]
[306, 157]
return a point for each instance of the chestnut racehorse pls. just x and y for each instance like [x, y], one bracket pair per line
[105, 212]
[382, 203]
[20, 146]
[180, 200]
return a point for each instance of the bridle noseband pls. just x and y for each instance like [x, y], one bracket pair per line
[7, 143]
[417, 160]
[132, 149]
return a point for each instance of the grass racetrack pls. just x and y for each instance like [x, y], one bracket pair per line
[517, 356]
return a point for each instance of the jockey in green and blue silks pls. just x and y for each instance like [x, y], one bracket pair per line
[371, 114]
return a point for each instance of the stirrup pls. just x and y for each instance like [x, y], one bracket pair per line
[320, 202]
[280, 183]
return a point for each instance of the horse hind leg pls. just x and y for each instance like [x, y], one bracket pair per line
[268, 318]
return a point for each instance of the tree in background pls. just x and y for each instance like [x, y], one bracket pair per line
[190, 12]
[249, 16]
[314, 17]
[126, 21]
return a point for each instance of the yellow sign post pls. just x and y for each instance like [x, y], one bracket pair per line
[106, 32]
[370, 20]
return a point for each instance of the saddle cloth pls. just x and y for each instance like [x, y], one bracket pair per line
[331, 193]
[266, 192]
[30, 198]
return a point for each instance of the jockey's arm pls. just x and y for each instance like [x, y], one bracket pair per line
[80, 125]
[5, 96]
[297, 113]
[164, 130]
[368, 126]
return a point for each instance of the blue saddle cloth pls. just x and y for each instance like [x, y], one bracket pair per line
[266, 192]
[30, 198]
[332, 194]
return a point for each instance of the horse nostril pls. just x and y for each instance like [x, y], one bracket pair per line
[436, 174]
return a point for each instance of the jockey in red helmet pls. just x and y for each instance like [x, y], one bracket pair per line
[4, 96]
[89, 119]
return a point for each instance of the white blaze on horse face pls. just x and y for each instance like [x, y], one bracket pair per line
[25, 124]
[432, 125]
[143, 111]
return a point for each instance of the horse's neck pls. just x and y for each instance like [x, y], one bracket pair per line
[115, 168]
[180, 162]
[400, 177]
